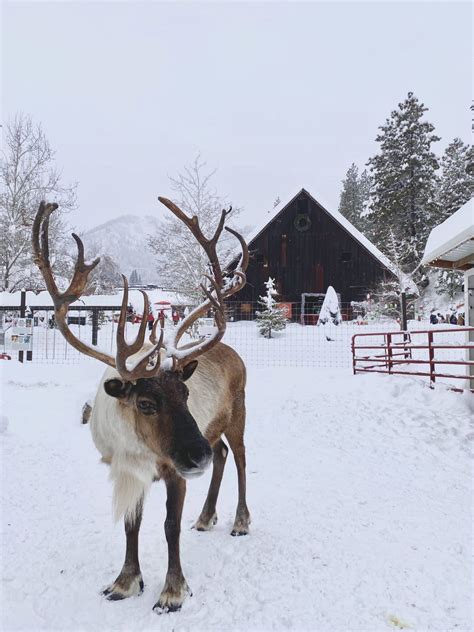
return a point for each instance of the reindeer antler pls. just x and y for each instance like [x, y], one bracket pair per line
[62, 300]
[220, 287]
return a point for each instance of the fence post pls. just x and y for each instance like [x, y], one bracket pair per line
[403, 302]
[22, 315]
[431, 356]
[389, 352]
[353, 355]
[404, 322]
[95, 325]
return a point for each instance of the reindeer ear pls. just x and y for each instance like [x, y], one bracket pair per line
[117, 388]
[189, 370]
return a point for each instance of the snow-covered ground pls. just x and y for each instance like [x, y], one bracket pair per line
[360, 489]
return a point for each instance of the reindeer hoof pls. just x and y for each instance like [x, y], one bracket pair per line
[124, 587]
[241, 525]
[240, 531]
[205, 525]
[158, 609]
[171, 600]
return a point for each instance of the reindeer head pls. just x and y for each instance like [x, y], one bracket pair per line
[151, 381]
[158, 407]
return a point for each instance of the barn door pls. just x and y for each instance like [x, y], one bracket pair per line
[318, 278]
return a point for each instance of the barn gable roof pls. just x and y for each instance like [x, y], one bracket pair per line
[346, 225]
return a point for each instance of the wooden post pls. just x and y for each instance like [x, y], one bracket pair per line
[403, 305]
[389, 352]
[353, 356]
[431, 357]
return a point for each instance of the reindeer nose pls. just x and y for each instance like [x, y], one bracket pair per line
[199, 454]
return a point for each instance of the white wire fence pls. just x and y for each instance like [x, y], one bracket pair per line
[303, 343]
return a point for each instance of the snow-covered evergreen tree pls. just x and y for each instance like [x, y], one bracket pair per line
[354, 196]
[455, 189]
[450, 283]
[135, 278]
[404, 181]
[349, 203]
[456, 185]
[330, 309]
[330, 313]
[271, 318]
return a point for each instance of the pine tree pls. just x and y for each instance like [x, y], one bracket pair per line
[456, 185]
[355, 196]
[330, 309]
[272, 318]
[455, 189]
[365, 185]
[350, 202]
[135, 278]
[404, 181]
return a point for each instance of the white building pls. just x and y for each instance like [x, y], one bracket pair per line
[451, 246]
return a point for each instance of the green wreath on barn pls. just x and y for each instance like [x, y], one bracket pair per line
[302, 222]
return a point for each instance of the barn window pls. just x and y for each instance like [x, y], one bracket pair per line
[346, 257]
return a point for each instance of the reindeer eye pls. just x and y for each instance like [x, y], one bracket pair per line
[146, 407]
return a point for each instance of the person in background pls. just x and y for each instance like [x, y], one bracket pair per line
[453, 320]
[151, 320]
[130, 313]
[161, 318]
[461, 320]
[433, 319]
[175, 317]
[441, 318]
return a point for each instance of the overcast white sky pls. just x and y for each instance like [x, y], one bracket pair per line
[278, 96]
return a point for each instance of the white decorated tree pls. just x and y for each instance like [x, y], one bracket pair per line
[272, 317]
[330, 310]
[330, 313]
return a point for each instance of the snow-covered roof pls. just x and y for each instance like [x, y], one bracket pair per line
[103, 300]
[452, 242]
[348, 227]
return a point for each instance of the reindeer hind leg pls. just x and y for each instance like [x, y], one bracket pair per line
[235, 435]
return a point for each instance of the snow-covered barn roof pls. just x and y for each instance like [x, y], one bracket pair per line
[451, 244]
[348, 227]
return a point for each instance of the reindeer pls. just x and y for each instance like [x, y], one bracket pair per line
[161, 410]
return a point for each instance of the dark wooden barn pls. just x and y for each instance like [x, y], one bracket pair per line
[307, 248]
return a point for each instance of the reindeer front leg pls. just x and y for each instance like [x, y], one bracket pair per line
[130, 581]
[175, 588]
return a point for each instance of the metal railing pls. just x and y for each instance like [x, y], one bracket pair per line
[395, 353]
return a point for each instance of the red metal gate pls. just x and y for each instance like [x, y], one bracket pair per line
[398, 351]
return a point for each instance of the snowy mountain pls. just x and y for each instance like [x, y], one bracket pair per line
[125, 240]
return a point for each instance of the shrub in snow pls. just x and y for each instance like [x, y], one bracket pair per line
[272, 318]
[330, 310]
